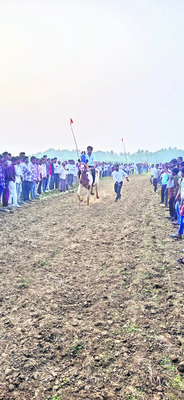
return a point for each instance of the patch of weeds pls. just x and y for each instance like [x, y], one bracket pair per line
[55, 398]
[142, 388]
[132, 328]
[171, 367]
[149, 275]
[113, 293]
[167, 363]
[177, 383]
[130, 397]
[45, 263]
[76, 346]
[25, 283]
[106, 360]
[173, 397]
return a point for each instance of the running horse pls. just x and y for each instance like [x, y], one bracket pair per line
[86, 181]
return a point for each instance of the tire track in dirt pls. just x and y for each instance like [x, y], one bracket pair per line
[91, 299]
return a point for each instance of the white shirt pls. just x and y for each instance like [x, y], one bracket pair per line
[18, 173]
[44, 170]
[72, 169]
[56, 168]
[156, 173]
[90, 159]
[152, 171]
[118, 175]
[62, 172]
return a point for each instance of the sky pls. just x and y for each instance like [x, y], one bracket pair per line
[115, 67]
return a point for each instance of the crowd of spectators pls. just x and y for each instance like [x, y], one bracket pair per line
[170, 176]
[23, 179]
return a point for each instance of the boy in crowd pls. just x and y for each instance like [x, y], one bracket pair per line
[2, 178]
[27, 179]
[179, 199]
[156, 174]
[18, 179]
[33, 168]
[56, 173]
[62, 175]
[165, 178]
[12, 201]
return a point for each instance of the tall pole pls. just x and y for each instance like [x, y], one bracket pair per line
[71, 122]
[124, 150]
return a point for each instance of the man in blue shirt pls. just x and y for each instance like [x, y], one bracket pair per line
[91, 161]
[83, 157]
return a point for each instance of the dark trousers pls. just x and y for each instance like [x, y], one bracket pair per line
[181, 227]
[93, 174]
[44, 182]
[39, 190]
[56, 181]
[70, 179]
[27, 190]
[163, 193]
[117, 189]
[155, 181]
[51, 182]
[172, 206]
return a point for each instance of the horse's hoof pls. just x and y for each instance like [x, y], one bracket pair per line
[80, 198]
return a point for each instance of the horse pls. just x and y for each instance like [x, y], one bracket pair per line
[86, 181]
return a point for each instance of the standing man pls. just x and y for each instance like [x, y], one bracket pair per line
[2, 177]
[156, 174]
[118, 180]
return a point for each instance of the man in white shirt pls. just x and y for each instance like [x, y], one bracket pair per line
[56, 173]
[152, 173]
[156, 174]
[18, 179]
[118, 180]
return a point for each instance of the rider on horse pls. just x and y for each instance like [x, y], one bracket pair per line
[91, 161]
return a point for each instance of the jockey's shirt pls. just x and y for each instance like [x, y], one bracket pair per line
[90, 159]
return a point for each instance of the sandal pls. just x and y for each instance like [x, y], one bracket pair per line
[181, 260]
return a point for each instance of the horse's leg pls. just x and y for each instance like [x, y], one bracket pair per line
[97, 195]
[79, 192]
[88, 194]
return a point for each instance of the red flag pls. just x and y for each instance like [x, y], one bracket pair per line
[71, 121]
[122, 140]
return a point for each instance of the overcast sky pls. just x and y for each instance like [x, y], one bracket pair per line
[115, 67]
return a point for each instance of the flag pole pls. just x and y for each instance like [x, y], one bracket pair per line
[124, 150]
[77, 151]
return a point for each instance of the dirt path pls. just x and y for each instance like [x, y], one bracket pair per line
[91, 299]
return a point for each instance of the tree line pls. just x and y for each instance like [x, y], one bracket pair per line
[162, 155]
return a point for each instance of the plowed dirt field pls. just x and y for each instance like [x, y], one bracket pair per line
[91, 299]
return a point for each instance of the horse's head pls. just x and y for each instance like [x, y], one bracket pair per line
[82, 167]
